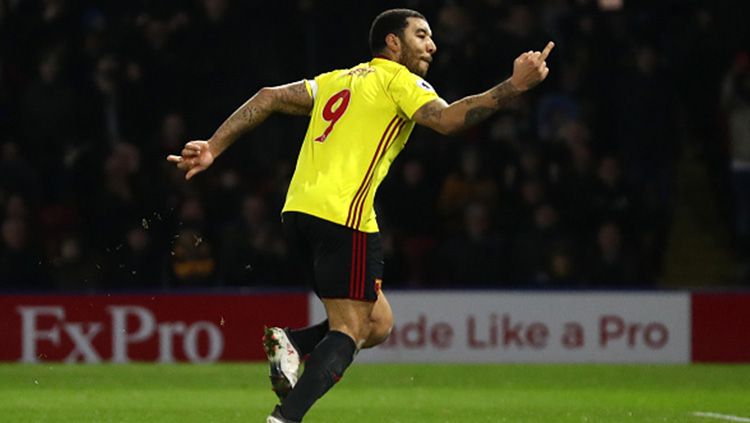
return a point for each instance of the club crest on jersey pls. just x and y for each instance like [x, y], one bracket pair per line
[421, 83]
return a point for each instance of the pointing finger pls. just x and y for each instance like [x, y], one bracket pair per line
[547, 49]
[174, 159]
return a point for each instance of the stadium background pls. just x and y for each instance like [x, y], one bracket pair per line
[627, 168]
[603, 219]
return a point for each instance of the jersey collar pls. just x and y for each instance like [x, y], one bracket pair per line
[381, 60]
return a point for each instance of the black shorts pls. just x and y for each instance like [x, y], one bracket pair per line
[345, 263]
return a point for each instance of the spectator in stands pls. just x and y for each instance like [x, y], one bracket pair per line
[559, 107]
[534, 244]
[562, 269]
[22, 266]
[172, 132]
[531, 194]
[252, 253]
[408, 207]
[613, 263]
[736, 105]
[477, 256]
[193, 262]
[469, 183]
[49, 117]
[193, 257]
[17, 174]
[16, 207]
[611, 198]
[577, 179]
[121, 199]
[647, 135]
[116, 102]
[408, 213]
[138, 264]
[76, 269]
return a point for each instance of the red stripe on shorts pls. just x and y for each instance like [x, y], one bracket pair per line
[363, 270]
[354, 257]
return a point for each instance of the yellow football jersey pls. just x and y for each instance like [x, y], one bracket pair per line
[361, 120]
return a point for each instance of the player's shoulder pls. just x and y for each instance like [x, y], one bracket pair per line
[356, 70]
[403, 78]
[389, 69]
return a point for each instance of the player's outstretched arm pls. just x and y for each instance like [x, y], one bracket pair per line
[529, 69]
[198, 155]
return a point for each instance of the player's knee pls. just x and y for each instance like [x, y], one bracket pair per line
[358, 331]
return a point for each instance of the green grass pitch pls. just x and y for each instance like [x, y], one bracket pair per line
[378, 393]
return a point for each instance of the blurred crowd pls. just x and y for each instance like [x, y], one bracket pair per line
[571, 187]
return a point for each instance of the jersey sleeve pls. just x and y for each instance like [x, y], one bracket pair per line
[410, 92]
[312, 88]
[313, 85]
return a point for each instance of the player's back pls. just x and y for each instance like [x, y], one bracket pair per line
[359, 123]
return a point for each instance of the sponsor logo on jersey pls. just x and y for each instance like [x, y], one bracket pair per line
[421, 83]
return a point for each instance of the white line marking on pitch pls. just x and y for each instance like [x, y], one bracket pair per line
[727, 417]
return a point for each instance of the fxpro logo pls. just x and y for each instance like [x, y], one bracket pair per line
[123, 336]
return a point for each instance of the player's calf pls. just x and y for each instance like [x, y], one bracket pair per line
[323, 369]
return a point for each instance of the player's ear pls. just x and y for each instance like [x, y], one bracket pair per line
[393, 43]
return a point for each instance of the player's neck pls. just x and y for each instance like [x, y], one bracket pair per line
[385, 55]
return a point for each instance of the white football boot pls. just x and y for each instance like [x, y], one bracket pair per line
[283, 360]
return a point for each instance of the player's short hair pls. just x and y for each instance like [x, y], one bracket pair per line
[391, 21]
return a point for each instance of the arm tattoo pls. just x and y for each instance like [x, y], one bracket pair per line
[291, 99]
[431, 112]
[477, 114]
[250, 114]
[502, 95]
[294, 100]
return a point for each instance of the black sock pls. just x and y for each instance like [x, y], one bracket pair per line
[326, 365]
[306, 339]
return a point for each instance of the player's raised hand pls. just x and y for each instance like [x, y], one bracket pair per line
[530, 68]
[194, 158]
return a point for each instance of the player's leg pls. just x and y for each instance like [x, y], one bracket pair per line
[284, 347]
[349, 322]
[305, 339]
[348, 266]
[366, 324]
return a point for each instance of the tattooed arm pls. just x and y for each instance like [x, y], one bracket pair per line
[459, 115]
[291, 99]
[529, 69]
